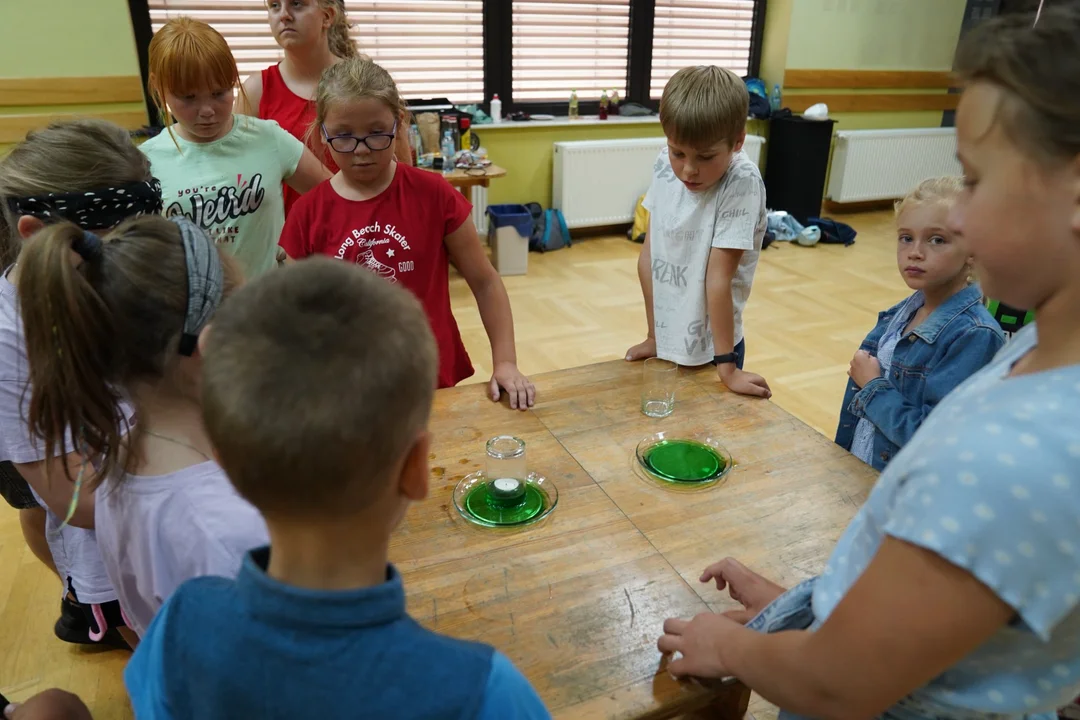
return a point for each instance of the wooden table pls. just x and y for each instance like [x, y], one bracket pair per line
[462, 179]
[577, 601]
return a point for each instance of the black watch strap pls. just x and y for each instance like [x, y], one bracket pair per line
[724, 359]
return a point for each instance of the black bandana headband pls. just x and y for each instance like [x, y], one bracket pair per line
[98, 209]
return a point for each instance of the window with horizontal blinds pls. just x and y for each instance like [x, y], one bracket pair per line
[564, 45]
[433, 48]
[700, 32]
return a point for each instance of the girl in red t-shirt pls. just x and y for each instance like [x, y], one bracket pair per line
[314, 34]
[402, 223]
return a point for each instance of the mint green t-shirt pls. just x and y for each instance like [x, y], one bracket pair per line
[230, 187]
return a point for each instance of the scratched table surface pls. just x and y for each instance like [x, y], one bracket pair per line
[577, 601]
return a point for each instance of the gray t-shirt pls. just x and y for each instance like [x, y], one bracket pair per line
[684, 226]
[74, 550]
[157, 532]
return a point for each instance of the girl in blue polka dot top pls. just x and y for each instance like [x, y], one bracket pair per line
[955, 591]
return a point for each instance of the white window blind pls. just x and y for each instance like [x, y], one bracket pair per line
[700, 32]
[564, 45]
[433, 48]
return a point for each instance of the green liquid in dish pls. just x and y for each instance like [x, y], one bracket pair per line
[684, 461]
[485, 505]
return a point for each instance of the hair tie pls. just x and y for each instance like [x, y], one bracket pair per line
[88, 246]
[206, 281]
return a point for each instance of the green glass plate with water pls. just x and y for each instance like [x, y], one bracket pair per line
[690, 462]
[505, 503]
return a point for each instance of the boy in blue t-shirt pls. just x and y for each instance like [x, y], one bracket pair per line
[318, 382]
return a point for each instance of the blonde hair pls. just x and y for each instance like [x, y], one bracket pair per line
[94, 326]
[353, 79]
[704, 105]
[934, 190]
[66, 156]
[320, 373]
[187, 55]
[1038, 69]
[337, 37]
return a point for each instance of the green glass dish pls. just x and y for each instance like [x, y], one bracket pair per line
[499, 504]
[689, 462]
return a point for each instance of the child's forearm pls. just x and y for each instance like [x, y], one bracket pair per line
[721, 314]
[498, 319]
[644, 271]
[778, 668]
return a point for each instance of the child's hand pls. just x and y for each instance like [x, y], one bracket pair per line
[864, 368]
[49, 705]
[642, 351]
[744, 383]
[699, 642]
[744, 585]
[507, 377]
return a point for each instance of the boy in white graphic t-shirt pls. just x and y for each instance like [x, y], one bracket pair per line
[706, 209]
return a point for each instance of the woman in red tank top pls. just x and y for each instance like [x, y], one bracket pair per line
[314, 35]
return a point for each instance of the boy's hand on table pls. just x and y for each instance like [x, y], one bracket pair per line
[742, 382]
[745, 586]
[520, 389]
[49, 705]
[864, 368]
[699, 642]
[642, 351]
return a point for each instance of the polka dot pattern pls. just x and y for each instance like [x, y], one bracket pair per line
[101, 208]
[990, 483]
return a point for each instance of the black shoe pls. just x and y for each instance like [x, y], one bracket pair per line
[74, 628]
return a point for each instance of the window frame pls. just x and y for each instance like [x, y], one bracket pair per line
[498, 56]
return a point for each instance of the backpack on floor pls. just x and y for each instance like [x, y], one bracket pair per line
[641, 222]
[549, 230]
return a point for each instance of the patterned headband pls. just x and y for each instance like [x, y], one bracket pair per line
[206, 281]
[98, 209]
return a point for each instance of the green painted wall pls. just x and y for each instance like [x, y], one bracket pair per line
[527, 155]
[66, 38]
[874, 34]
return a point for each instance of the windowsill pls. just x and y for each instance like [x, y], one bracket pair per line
[584, 120]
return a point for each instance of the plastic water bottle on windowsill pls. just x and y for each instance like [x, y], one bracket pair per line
[448, 152]
[572, 110]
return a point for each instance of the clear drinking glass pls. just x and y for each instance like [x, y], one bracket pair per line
[506, 469]
[658, 387]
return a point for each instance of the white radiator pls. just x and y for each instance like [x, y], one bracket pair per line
[597, 182]
[479, 209]
[886, 164]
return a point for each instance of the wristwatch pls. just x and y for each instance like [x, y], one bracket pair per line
[725, 359]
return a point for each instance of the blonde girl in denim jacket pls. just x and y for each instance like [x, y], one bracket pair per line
[955, 591]
[926, 345]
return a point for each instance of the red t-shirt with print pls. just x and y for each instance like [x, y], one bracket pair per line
[398, 235]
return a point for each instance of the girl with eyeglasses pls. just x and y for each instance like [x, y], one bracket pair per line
[404, 224]
[314, 35]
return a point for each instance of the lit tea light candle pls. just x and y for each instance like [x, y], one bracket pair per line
[507, 488]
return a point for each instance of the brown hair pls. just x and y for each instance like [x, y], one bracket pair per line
[353, 79]
[317, 379]
[934, 190]
[95, 326]
[704, 105]
[187, 55]
[1038, 68]
[338, 38]
[66, 156]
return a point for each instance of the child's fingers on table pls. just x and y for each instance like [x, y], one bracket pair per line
[530, 392]
[668, 643]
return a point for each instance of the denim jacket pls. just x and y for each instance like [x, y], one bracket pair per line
[947, 348]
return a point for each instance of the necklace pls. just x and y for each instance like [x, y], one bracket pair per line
[177, 442]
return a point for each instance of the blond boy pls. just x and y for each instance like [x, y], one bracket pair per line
[707, 219]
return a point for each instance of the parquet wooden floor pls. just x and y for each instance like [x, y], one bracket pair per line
[809, 310]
